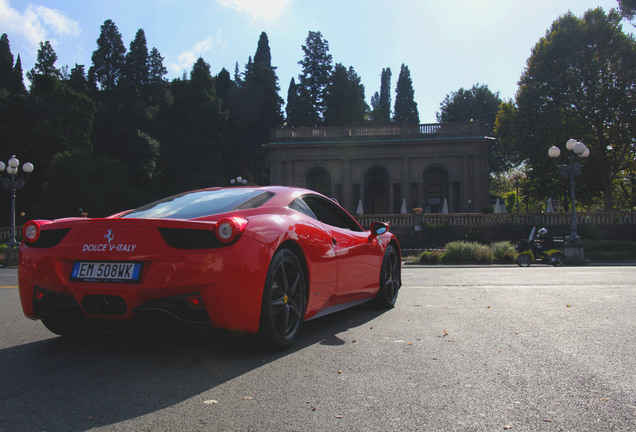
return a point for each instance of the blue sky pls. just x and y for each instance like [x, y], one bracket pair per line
[447, 44]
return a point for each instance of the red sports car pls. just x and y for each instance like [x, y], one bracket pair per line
[254, 259]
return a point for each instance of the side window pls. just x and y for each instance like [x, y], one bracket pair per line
[301, 207]
[329, 213]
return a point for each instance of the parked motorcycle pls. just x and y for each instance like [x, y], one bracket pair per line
[525, 253]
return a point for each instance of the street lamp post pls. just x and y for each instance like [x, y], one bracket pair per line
[571, 169]
[517, 179]
[12, 183]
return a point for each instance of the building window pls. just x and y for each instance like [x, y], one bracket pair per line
[319, 180]
[376, 188]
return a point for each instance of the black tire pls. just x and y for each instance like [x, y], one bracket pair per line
[558, 260]
[284, 301]
[524, 260]
[390, 279]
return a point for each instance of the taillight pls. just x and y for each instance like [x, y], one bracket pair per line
[229, 229]
[31, 231]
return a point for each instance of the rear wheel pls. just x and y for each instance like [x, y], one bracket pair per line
[389, 278]
[524, 260]
[284, 300]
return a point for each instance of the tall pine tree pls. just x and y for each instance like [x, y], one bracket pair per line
[405, 106]
[109, 57]
[136, 71]
[381, 102]
[344, 98]
[315, 76]
[255, 109]
[45, 64]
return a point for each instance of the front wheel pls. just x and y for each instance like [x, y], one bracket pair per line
[524, 260]
[390, 278]
[284, 300]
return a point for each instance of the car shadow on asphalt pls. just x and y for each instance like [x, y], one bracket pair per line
[66, 384]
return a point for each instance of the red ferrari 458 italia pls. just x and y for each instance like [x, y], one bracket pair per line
[253, 259]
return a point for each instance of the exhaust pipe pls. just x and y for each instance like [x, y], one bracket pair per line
[104, 305]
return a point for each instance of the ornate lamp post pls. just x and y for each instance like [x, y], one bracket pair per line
[571, 169]
[239, 181]
[11, 182]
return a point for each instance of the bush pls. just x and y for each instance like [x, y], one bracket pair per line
[504, 252]
[430, 257]
[484, 255]
[460, 252]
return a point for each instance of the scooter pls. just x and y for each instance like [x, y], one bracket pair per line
[525, 253]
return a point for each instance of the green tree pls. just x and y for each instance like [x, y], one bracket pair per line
[10, 74]
[627, 8]
[136, 70]
[17, 85]
[580, 82]
[191, 135]
[477, 104]
[299, 110]
[344, 98]
[6, 62]
[381, 102]
[77, 79]
[315, 76]
[109, 57]
[255, 108]
[405, 106]
[156, 69]
[45, 64]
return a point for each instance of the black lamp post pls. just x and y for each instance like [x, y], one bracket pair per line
[12, 183]
[517, 179]
[571, 169]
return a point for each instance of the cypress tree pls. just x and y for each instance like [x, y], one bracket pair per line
[136, 71]
[109, 57]
[156, 69]
[344, 98]
[6, 63]
[315, 75]
[381, 102]
[405, 106]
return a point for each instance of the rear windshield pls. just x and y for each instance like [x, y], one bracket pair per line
[191, 205]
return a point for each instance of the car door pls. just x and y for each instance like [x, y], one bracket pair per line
[358, 256]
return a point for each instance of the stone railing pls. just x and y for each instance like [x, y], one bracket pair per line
[377, 131]
[467, 219]
[475, 219]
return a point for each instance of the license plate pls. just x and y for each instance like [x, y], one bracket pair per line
[88, 271]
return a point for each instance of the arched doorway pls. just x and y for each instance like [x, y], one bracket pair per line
[319, 180]
[435, 188]
[376, 187]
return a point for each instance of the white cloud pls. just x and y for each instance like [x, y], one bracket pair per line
[268, 10]
[186, 59]
[58, 21]
[36, 24]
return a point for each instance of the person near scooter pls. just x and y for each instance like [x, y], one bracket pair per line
[542, 242]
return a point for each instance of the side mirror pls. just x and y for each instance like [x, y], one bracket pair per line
[378, 228]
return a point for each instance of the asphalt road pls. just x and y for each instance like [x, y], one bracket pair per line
[465, 349]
